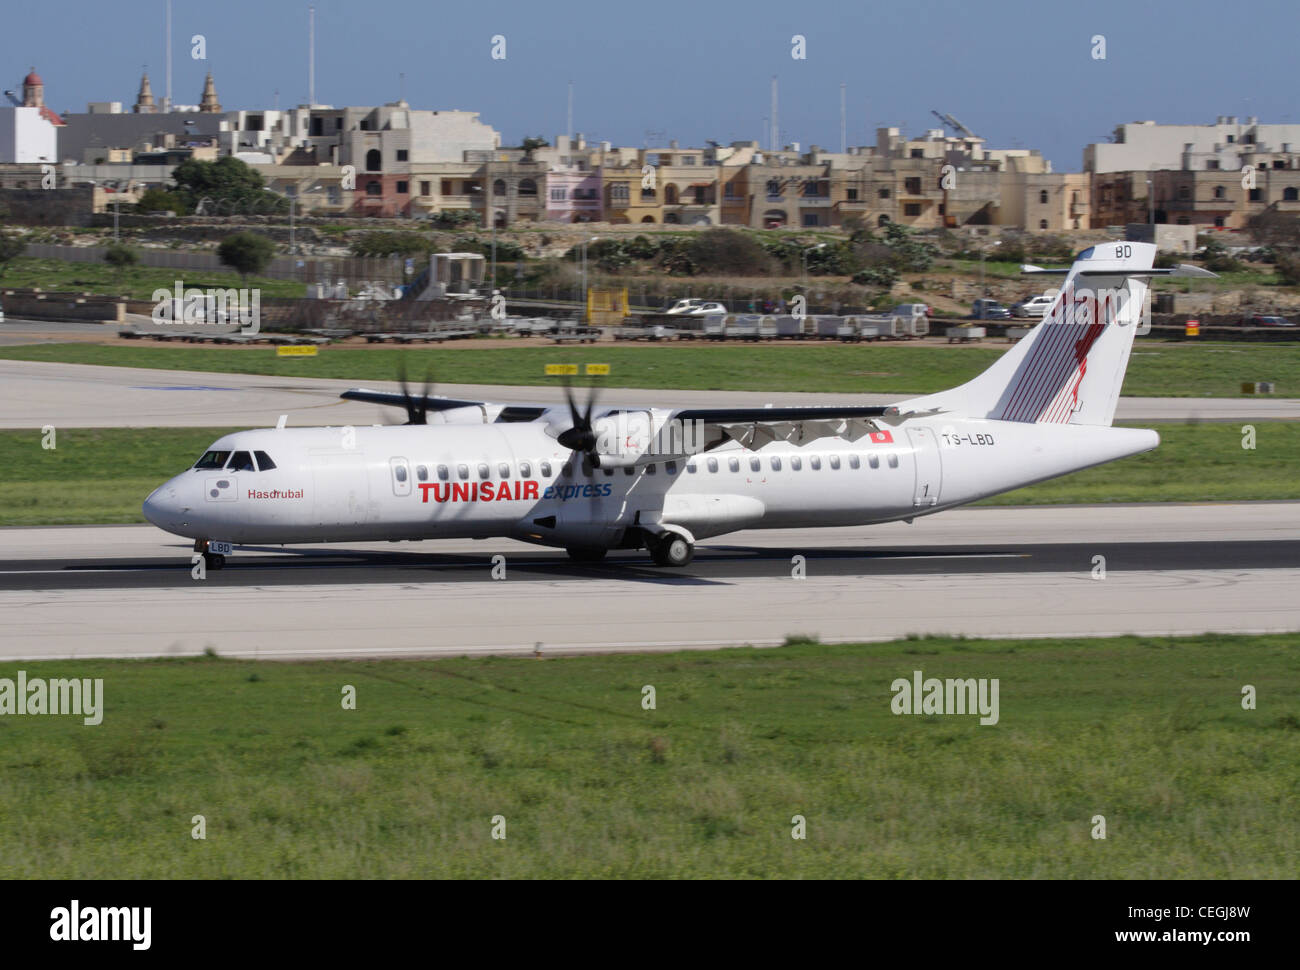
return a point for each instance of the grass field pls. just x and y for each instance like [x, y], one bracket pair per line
[1149, 733]
[138, 282]
[1157, 369]
[1194, 463]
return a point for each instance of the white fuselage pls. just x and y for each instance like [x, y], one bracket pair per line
[515, 480]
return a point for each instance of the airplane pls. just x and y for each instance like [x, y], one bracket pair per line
[593, 479]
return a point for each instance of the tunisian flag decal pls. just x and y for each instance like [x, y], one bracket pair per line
[882, 438]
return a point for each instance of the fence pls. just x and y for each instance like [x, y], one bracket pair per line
[353, 269]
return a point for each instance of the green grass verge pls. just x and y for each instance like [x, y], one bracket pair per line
[1148, 732]
[1157, 369]
[137, 282]
[1194, 463]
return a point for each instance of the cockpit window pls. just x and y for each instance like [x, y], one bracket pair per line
[212, 459]
[241, 461]
[1086, 254]
[264, 462]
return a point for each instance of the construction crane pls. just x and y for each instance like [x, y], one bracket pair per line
[954, 124]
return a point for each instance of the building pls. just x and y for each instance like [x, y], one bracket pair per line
[1213, 176]
[30, 133]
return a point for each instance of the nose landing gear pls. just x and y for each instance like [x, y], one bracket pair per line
[211, 560]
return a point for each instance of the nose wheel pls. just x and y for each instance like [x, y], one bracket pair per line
[671, 549]
[211, 560]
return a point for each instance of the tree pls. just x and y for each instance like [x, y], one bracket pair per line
[11, 247]
[120, 257]
[226, 181]
[246, 252]
[160, 200]
[531, 143]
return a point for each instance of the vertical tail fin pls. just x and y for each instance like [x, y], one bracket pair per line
[1069, 368]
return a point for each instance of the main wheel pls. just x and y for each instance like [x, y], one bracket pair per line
[671, 549]
[586, 553]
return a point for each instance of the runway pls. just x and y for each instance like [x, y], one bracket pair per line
[127, 591]
[34, 394]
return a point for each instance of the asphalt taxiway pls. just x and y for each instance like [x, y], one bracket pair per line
[123, 591]
[35, 393]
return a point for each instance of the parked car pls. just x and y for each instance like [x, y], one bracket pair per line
[1032, 306]
[704, 310]
[984, 309]
[912, 310]
[684, 305]
[1259, 320]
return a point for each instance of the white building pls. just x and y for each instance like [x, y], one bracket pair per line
[27, 135]
[1145, 145]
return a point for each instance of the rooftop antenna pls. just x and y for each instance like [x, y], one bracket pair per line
[311, 55]
[401, 79]
[844, 130]
[568, 130]
[775, 142]
[167, 101]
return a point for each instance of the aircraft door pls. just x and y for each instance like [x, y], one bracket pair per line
[929, 469]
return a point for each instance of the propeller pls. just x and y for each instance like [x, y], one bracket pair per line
[417, 409]
[579, 436]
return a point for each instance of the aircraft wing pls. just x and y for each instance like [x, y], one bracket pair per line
[497, 412]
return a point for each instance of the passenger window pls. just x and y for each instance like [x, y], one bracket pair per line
[609, 472]
[776, 464]
[212, 459]
[873, 461]
[483, 470]
[444, 473]
[853, 461]
[241, 461]
[734, 464]
[462, 472]
[399, 472]
[264, 462]
[628, 470]
[546, 469]
[691, 467]
[835, 462]
[713, 464]
[893, 461]
[504, 469]
[525, 470]
[815, 463]
[670, 468]
[649, 469]
[755, 464]
[421, 473]
[795, 463]
[565, 470]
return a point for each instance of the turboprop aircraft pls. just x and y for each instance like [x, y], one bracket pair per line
[593, 479]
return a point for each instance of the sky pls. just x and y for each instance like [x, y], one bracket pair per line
[1020, 74]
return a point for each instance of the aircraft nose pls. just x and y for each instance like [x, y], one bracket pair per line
[161, 507]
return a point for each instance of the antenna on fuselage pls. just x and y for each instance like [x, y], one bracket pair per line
[279, 425]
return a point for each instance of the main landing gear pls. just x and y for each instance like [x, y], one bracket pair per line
[670, 549]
